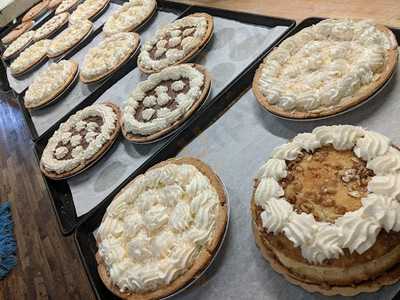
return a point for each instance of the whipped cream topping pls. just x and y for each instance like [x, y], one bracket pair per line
[55, 159]
[30, 56]
[87, 10]
[173, 42]
[21, 42]
[50, 26]
[155, 229]
[355, 230]
[157, 115]
[320, 66]
[65, 5]
[129, 16]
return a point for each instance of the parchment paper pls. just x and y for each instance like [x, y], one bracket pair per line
[234, 46]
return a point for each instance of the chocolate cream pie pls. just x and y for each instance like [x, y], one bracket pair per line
[51, 26]
[88, 10]
[326, 211]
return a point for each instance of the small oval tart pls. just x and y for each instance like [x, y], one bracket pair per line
[162, 230]
[50, 83]
[19, 45]
[51, 26]
[36, 11]
[326, 210]
[176, 43]
[53, 4]
[17, 32]
[88, 10]
[69, 38]
[326, 69]
[130, 16]
[66, 6]
[108, 56]
[29, 58]
[165, 100]
[81, 141]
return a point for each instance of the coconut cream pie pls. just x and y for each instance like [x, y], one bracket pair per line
[131, 15]
[80, 141]
[326, 68]
[161, 230]
[51, 26]
[326, 210]
[36, 11]
[176, 43]
[164, 101]
[88, 10]
[30, 57]
[17, 32]
[108, 55]
[19, 44]
[50, 83]
[66, 6]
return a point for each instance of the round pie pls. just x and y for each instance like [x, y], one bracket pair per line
[51, 26]
[130, 16]
[162, 230]
[69, 38]
[176, 43]
[30, 57]
[36, 11]
[80, 141]
[66, 6]
[17, 32]
[50, 83]
[19, 44]
[164, 101]
[326, 210]
[88, 10]
[326, 69]
[108, 55]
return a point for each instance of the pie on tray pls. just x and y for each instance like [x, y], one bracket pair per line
[50, 83]
[88, 10]
[23, 41]
[326, 211]
[164, 101]
[36, 11]
[30, 57]
[80, 141]
[69, 38]
[17, 32]
[176, 43]
[326, 69]
[162, 230]
[130, 16]
[51, 26]
[66, 6]
[108, 55]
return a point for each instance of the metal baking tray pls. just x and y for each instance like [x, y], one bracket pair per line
[234, 137]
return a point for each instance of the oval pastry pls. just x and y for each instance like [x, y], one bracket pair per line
[326, 210]
[19, 44]
[108, 55]
[326, 69]
[176, 43]
[161, 230]
[80, 141]
[88, 10]
[66, 6]
[164, 101]
[53, 4]
[50, 83]
[36, 11]
[130, 16]
[17, 32]
[51, 26]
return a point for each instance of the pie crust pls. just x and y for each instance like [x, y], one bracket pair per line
[108, 56]
[88, 10]
[301, 83]
[50, 83]
[36, 11]
[151, 61]
[66, 6]
[53, 4]
[17, 46]
[143, 90]
[51, 26]
[17, 32]
[83, 164]
[203, 258]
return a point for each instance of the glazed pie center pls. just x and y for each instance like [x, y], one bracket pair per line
[327, 183]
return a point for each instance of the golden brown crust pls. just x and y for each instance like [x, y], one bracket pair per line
[88, 163]
[31, 66]
[54, 3]
[36, 11]
[56, 29]
[346, 103]
[205, 256]
[17, 32]
[137, 138]
[207, 37]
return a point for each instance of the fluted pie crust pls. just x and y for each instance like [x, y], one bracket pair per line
[357, 98]
[205, 256]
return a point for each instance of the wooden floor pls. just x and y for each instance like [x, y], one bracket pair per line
[48, 263]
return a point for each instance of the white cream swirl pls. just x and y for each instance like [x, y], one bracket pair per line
[267, 189]
[384, 209]
[387, 163]
[275, 215]
[307, 141]
[386, 185]
[275, 168]
[289, 151]
[300, 228]
[371, 145]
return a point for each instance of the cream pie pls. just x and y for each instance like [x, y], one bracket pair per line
[80, 141]
[326, 210]
[17, 32]
[162, 230]
[19, 44]
[51, 26]
[130, 16]
[88, 10]
[50, 83]
[30, 57]
[66, 6]
[108, 55]
[69, 38]
[164, 101]
[36, 11]
[326, 69]
[176, 43]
